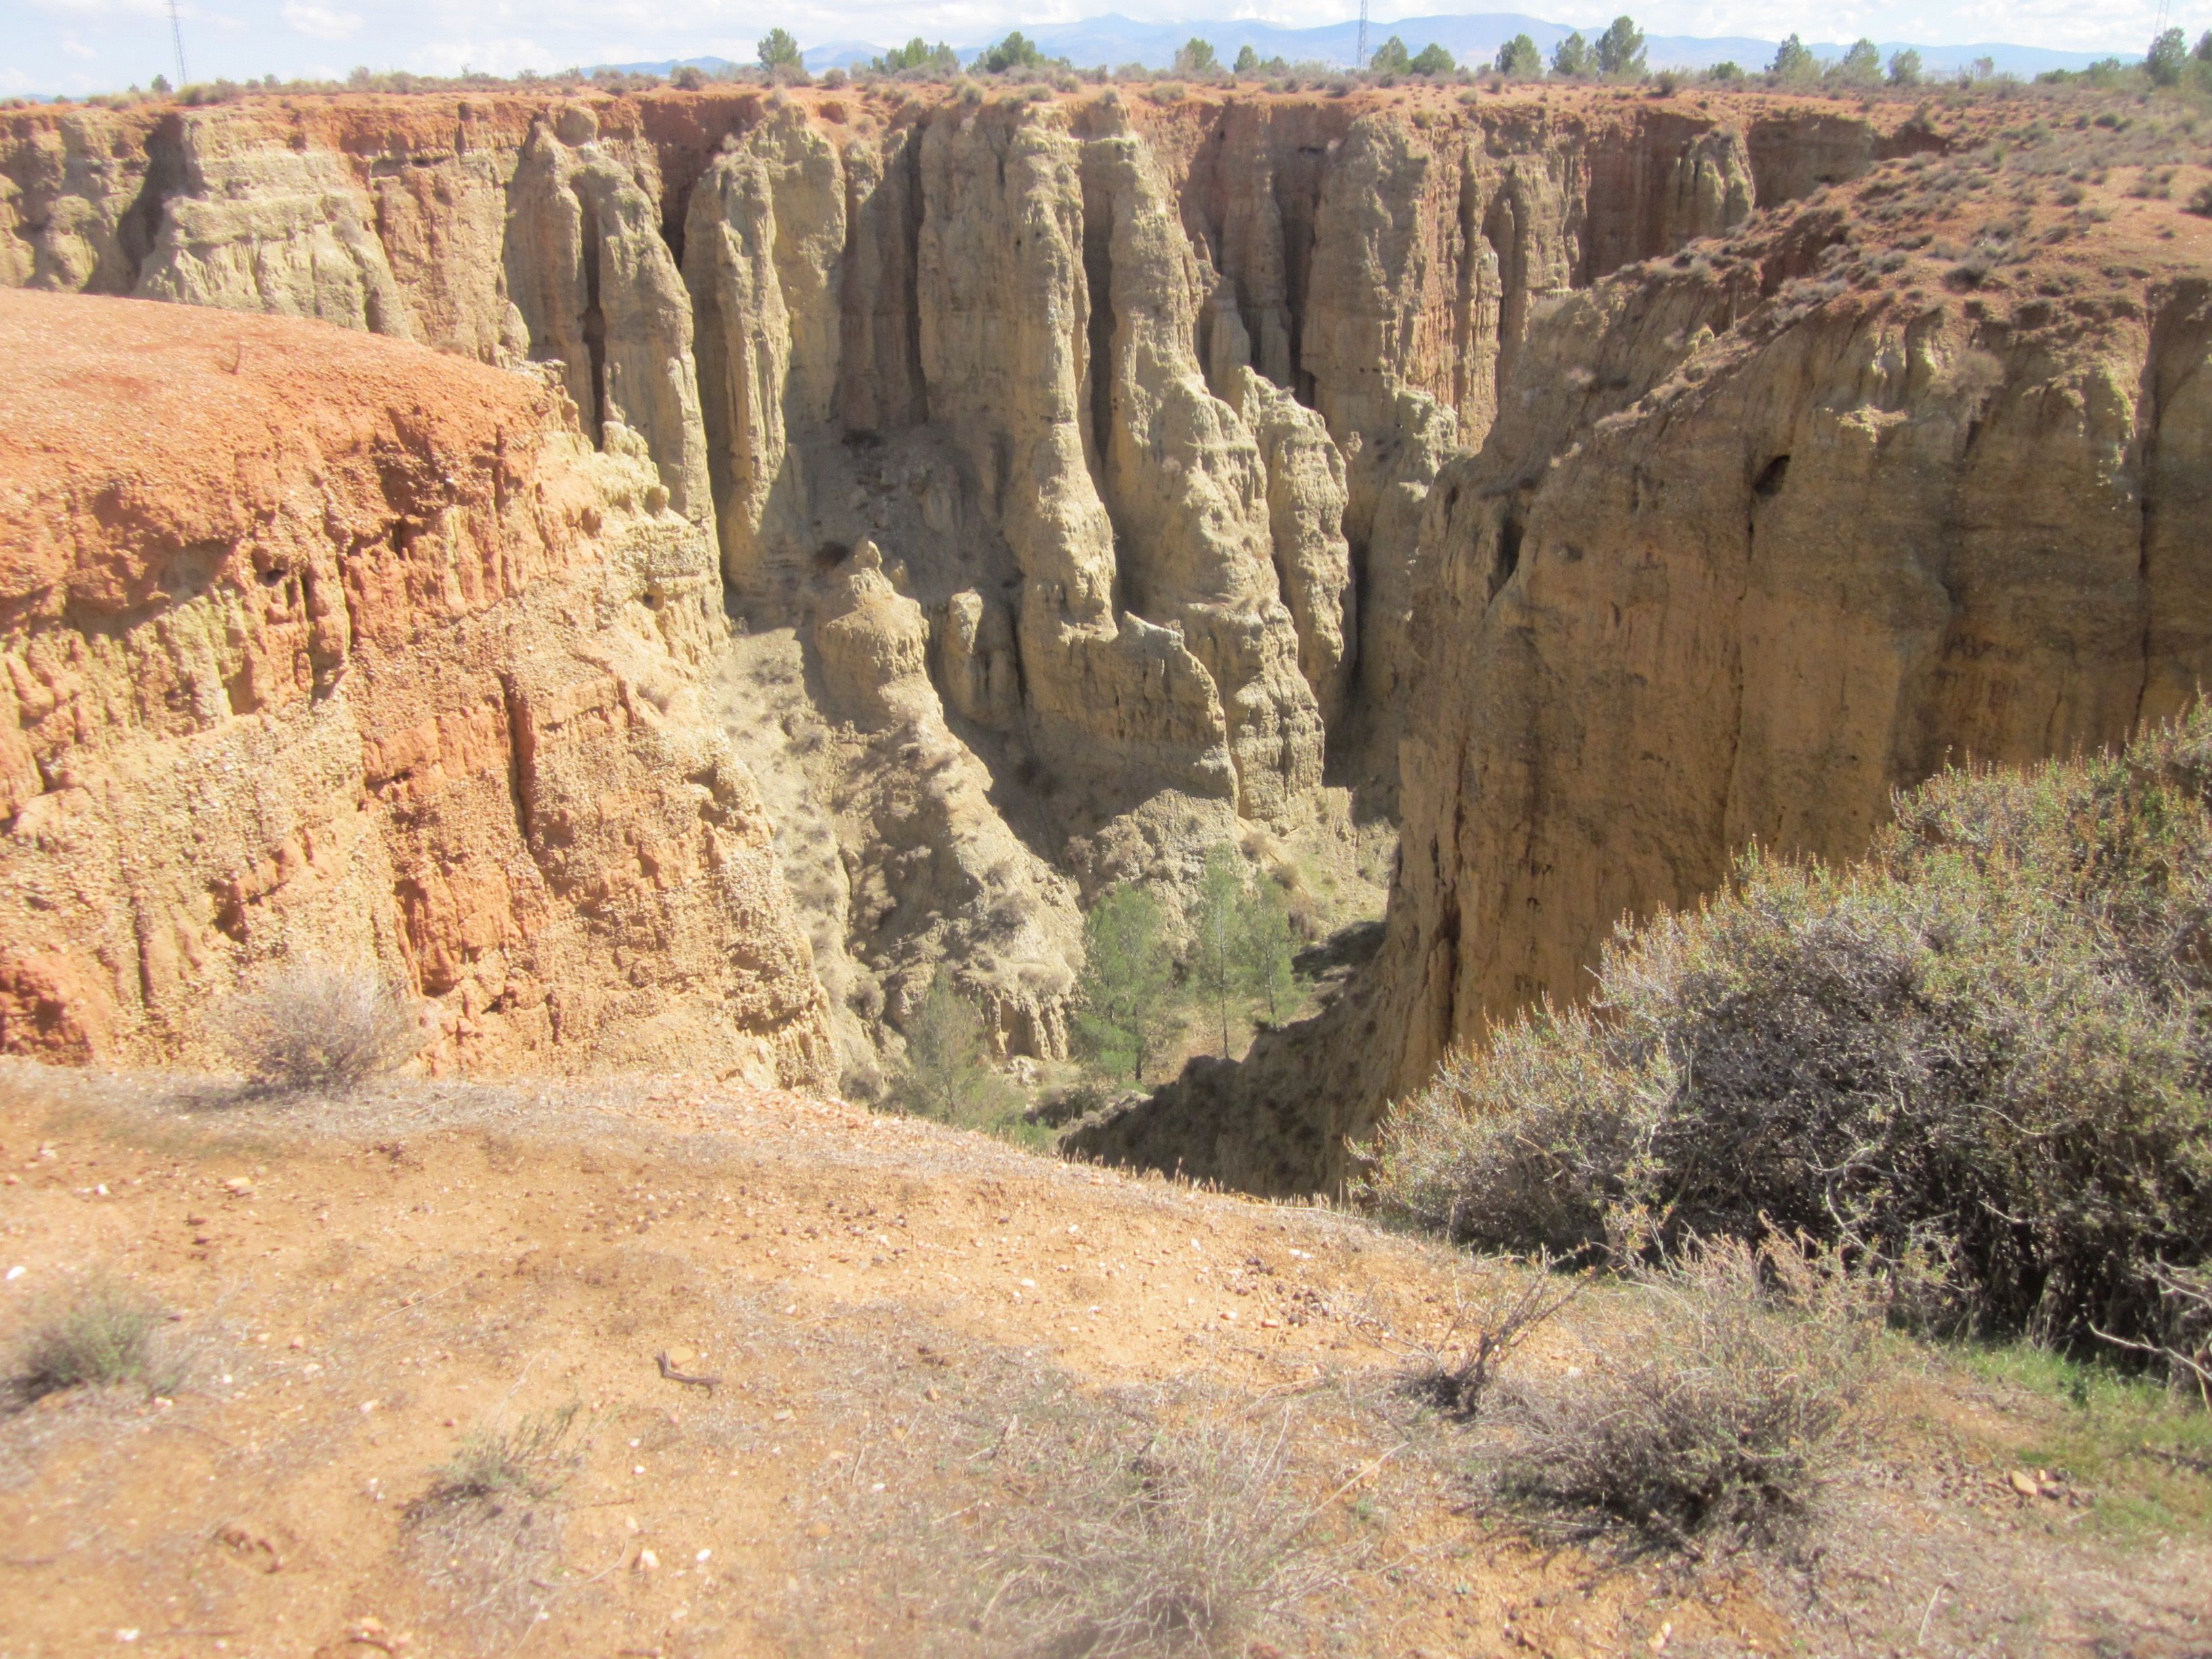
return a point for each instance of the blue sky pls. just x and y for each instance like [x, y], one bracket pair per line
[87, 45]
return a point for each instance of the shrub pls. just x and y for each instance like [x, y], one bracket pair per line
[102, 1337]
[487, 1532]
[313, 1026]
[1979, 1054]
[1709, 1403]
[528, 1463]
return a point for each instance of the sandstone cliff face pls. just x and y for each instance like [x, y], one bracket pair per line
[1141, 407]
[1759, 534]
[317, 646]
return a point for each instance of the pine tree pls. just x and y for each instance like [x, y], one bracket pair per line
[1217, 935]
[1793, 61]
[778, 50]
[1573, 58]
[1264, 949]
[1620, 50]
[1519, 60]
[1126, 988]
[948, 1074]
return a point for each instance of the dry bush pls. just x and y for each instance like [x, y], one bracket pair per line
[1709, 1403]
[102, 1335]
[1982, 1050]
[313, 1026]
[1505, 1309]
[1184, 1542]
[487, 1533]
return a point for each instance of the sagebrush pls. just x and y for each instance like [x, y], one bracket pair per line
[1977, 1060]
[311, 1025]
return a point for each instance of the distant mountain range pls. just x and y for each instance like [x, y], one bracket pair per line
[1113, 40]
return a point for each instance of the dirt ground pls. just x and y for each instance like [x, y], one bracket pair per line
[914, 1369]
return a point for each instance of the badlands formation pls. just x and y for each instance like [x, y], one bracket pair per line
[783, 542]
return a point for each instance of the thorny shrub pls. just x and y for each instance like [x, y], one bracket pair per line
[1977, 1062]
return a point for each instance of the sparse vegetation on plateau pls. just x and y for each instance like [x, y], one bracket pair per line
[311, 1025]
[1974, 1061]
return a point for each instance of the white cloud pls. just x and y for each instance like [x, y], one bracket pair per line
[320, 21]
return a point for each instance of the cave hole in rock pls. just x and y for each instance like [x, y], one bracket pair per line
[1771, 479]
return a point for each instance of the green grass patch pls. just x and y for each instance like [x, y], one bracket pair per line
[2143, 1452]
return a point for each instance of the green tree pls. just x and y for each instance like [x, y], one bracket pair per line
[948, 1073]
[1793, 61]
[2203, 52]
[1016, 52]
[1573, 58]
[1264, 945]
[1126, 989]
[1196, 57]
[1860, 66]
[1519, 60]
[1390, 58]
[1905, 68]
[1433, 59]
[779, 51]
[1248, 60]
[918, 54]
[2168, 56]
[1725, 71]
[160, 84]
[1217, 935]
[1620, 50]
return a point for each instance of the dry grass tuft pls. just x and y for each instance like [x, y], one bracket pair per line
[103, 1337]
[1708, 1403]
[314, 1026]
[1186, 1543]
[487, 1534]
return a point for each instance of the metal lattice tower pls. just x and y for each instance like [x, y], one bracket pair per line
[177, 36]
[1359, 63]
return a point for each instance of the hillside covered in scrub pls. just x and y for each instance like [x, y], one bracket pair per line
[1979, 1062]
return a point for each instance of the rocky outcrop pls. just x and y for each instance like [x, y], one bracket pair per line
[323, 647]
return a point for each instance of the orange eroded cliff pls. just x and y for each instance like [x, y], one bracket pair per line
[322, 645]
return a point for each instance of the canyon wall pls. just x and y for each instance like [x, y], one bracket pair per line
[1759, 534]
[1132, 404]
[317, 646]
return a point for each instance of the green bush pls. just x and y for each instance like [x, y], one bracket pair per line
[1979, 1058]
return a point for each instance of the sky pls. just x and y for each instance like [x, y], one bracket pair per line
[79, 47]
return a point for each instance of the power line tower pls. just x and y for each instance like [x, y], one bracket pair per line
[177, 36]
[1359, 61]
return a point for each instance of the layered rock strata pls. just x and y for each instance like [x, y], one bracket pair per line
[318, 646]
[1140, 405]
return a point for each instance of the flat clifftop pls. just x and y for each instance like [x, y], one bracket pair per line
[106, 388]
[738, 1371]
